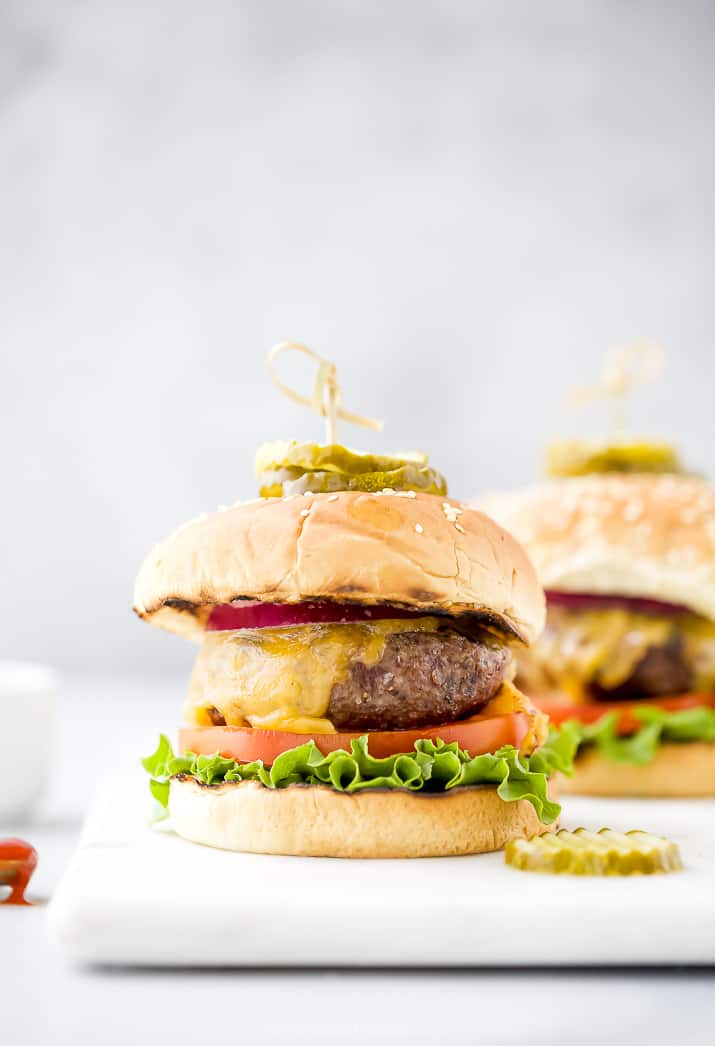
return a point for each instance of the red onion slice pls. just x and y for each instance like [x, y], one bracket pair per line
[228, 616]
[592, 601]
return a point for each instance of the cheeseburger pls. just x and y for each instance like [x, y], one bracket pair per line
[628, 564]
[352, 692]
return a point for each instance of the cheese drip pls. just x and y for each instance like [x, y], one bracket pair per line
[509, 700]
[603, 647]
[282, 678]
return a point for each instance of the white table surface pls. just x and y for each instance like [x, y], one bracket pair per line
[44, 1000]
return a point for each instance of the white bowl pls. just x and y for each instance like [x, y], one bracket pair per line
[27, 713]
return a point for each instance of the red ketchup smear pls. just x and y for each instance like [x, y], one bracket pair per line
[276, 615]
[17, 863]
[591, 601]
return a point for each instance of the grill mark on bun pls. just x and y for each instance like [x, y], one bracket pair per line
[422, 793]
[421, 596]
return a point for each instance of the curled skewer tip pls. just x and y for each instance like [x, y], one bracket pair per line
[326, 397]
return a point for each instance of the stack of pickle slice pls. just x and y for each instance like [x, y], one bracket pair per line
[283, 469]
[582, 457]
[595, 853]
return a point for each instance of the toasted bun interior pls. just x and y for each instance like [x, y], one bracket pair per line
[635, 535]
[414, 550]
[678, 771]
[313, 821]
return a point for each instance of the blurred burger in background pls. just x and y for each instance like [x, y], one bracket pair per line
[625, 547]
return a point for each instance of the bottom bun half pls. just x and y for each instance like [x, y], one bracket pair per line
[678, 771]
[313, 821]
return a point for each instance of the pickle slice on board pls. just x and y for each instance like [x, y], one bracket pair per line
[594, 853]
[284, 482]
[331, 457]
[583, 457]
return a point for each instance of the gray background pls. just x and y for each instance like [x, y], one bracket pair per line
[463, 204]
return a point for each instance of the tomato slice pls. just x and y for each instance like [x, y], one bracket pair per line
[478, 736]
[559, 711]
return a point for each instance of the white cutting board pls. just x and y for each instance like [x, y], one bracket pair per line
[137, 895]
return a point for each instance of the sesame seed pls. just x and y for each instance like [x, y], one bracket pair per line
[333, 497]
[419, 528]
[305, 511]
[405, 494]
[451, 511]
[459, 527]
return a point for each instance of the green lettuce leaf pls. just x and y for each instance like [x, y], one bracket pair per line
[433, 766]
[157, 764]
[559, 751]
[659, 725]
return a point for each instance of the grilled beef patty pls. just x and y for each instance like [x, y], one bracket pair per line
[422, 678]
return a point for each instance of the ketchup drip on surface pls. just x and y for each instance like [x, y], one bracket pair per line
[17, 863]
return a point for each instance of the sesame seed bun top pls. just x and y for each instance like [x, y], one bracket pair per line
[651, 536]
[410, 549]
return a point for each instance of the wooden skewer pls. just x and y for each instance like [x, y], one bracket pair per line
[625, 368]
[326, 398]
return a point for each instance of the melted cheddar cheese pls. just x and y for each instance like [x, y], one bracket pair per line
[509, 700]
[282, 678]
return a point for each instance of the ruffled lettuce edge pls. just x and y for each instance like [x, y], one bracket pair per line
[432, 766]
[659, 726]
